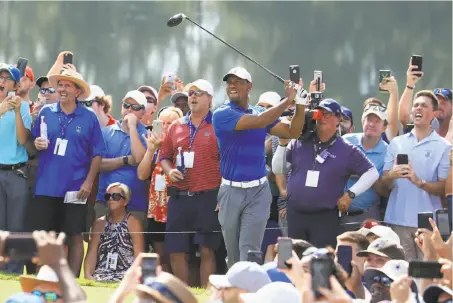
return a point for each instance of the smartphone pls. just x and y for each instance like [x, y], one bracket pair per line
[418, 61]
[321, 270]
[149, 266]
[11, 93]
[294, 73]
[443, 224]
[423, 220]
[402, 159]
[285, 252]
[67, 58]
[384, 73]
[170, 78]
[20, 247]
[22, 65]
[317, 75]
[425, 269]
[157, 127]
[344, 255]
[255, 256]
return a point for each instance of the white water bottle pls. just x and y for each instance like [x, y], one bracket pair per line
[43, 128]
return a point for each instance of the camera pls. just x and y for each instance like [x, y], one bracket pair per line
[311, 115]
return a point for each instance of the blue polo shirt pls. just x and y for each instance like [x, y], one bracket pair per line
[376, 155]
[118, 144]
[11, 152]
[242, 153]
[59, 174]
[343, 161]
[429, 160]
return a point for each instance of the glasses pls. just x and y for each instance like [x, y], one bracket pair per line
[383, 280]
[151, 100]
[327, 114]
[6, 78]
[88, 103]
[48, 296]
[374, 106]
[197, 93]
[135, 107]
[44, 91]
[443, 91]
[114, 196]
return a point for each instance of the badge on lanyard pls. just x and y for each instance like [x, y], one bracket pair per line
[189, 159]
[159, 183]
[112, 261]
[321, 158]
[312, 178]
[60, 147]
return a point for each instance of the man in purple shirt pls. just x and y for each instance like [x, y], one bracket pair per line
[320, 168]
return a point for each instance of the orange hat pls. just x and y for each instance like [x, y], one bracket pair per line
[29, 73]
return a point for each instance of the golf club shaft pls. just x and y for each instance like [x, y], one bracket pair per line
[266, 69]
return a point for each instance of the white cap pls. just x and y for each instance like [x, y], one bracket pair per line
[46, 273]
[394, 269]
[274, 292]
[175, 96]
[137, 96]
[239, 72]
[376, 110]
[203, 85]
[269, 98]
[96, 91]
[385, 232]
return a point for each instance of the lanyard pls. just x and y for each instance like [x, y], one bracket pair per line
[324, 153]
[193, 132]
[63, 126]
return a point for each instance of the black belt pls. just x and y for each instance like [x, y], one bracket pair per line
[355, 212]
[192, 193]
[12, 166]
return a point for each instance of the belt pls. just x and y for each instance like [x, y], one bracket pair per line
[12, 166]
[356, 212]
[194, 193]
[247, 184]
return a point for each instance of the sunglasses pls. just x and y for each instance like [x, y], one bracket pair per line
[88, 103]
[44, 91]
[383, 280]
[443, 91]
[197, 93]
[48, 296]
[377, 107]
[114, 196]
[151, 100]
[135, 107]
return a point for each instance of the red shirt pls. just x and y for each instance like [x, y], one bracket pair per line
[205, 173]
[158, 200]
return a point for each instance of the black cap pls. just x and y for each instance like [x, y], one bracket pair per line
[41, 80]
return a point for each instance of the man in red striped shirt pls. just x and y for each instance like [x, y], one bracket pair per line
[189, 156]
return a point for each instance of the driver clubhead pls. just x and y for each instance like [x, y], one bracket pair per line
[176, 20]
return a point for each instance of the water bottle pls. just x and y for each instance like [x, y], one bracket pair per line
[180, 161]
[43, 128]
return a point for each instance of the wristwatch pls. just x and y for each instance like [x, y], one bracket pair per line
[351, 194]
[126, 160]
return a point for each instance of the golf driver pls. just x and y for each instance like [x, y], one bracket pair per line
[178, 18]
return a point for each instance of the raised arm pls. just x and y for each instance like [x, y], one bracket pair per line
[405, 105]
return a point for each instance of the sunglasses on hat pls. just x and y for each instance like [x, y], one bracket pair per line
[383, 280]
[51, 90]
[88, 103]
[197, 93]
[375, 107]
[443, 91]
[135, 107]
[114, 196]
[49, 296]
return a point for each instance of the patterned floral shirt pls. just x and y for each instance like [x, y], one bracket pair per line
[158, 200]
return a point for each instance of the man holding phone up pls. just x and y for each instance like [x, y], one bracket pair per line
[415, 168]
[190, 158]
[15, 124]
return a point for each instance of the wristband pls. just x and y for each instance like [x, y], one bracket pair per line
[410, 87]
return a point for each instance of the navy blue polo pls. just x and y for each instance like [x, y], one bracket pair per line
[58, 174]
[242, 154]
[344, 160]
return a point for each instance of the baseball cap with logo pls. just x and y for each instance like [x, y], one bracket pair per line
[239, 72]
[375, 109]
[269, 98]
[202, 85]
[137, 96]
[274, 292]
[393, 269]
[443, 92]
[347, 112]
[12, 70]
[384, 248]
[245, 275]
[383, 232]
[330, 105]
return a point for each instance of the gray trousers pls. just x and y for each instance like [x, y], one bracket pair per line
[243, 216]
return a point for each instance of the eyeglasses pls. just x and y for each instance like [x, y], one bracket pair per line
[114, 196]
[49, 296]
[44, 91]
[135, 107]
[151, 100]
[374, 106]
[5, 78]
[383, 280]
[443, 91]
[197, 93]
[88, 103]
[326, 114]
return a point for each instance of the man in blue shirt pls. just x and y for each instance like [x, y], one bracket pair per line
[70, 152]
[15, 123]
[418, 186]
[125, 148]
[244, 197]
[370, 142]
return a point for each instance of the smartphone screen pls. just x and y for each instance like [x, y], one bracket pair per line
[384, 73]
[255, 256]
[20, 247]
[425, 269]
[402, 159]
[443, 224]
[317, 75]
[22, 65]
[67, 59]
[418, 61]
[149, 266]
[344, 255]
[294, 73]
[285, 251]
[321, 270]
[423, 220]
[11, 93]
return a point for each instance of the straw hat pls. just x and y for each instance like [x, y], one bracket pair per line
[165, 280]
[73, 76]
[46, 275]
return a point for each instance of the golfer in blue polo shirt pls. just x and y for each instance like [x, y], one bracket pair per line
[70, 156]
[244, 197]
